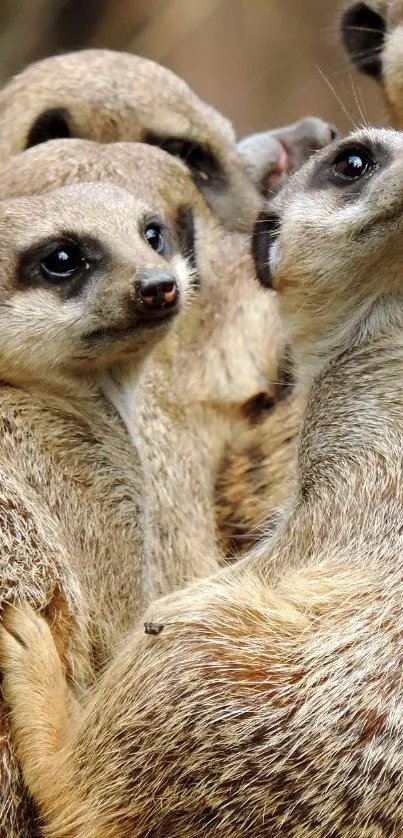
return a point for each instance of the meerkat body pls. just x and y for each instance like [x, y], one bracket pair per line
[258, 708]
[77, 279]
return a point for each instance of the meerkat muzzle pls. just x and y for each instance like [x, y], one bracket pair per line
[157, 292]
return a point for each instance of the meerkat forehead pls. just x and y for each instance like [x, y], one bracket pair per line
[80, 208]
[139, 168]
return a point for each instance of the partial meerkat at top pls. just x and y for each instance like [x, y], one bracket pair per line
[372, 34]
[256, 709]
[129, 98]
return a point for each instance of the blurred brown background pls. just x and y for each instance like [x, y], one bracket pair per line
[262, 62]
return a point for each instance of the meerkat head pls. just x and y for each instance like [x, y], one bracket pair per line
[109, 96]
[331, 244]
[90, 276]
[372, 34]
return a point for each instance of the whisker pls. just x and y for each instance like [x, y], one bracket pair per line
[336, 96]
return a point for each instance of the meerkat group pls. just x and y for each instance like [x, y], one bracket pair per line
[159, 412]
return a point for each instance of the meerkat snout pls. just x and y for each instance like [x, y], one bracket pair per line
[157, 292]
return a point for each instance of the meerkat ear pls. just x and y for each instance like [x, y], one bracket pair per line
[185, 232]
[52, 124]
[270, 154]
[264, 235]
[362, 33]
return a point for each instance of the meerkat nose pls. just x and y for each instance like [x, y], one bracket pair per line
[157, 289]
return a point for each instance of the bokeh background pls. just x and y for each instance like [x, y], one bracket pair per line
[263, 63]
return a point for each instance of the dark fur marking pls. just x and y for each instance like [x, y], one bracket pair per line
[206, 169]
[264, 234]
[52, 124]
[185, 231]
[363, 35]
[28, 270]
[257, 408]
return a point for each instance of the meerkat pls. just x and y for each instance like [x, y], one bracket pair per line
[91, 278]
[267, 699]
[186, 409]
[372, 34]
[48, 100]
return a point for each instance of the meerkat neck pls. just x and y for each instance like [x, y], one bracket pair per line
[352, 434]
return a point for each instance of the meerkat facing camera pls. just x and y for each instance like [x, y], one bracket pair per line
[186, 410]
[220, 376]
[256, 710]
[91, 278]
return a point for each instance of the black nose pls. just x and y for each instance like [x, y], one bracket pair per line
[157, 291]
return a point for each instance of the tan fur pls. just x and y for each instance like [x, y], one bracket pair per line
[203, 390]
[263, 709]
[255, 478]
[187, 406]
[71, 489]
[113, 96]
[187, 411]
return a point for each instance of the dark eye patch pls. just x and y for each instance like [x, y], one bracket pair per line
[326, 175]
[363, 35]
[52, 124]
[185, 233]
[206, 169]
[265, 232]
[86, 253]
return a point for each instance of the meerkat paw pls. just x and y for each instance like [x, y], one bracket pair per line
[28, 655]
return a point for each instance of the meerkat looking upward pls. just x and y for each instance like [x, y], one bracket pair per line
[257, 710]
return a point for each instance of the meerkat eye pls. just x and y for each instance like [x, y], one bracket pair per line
[352, 163]
[154, 236]
[64, 262]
